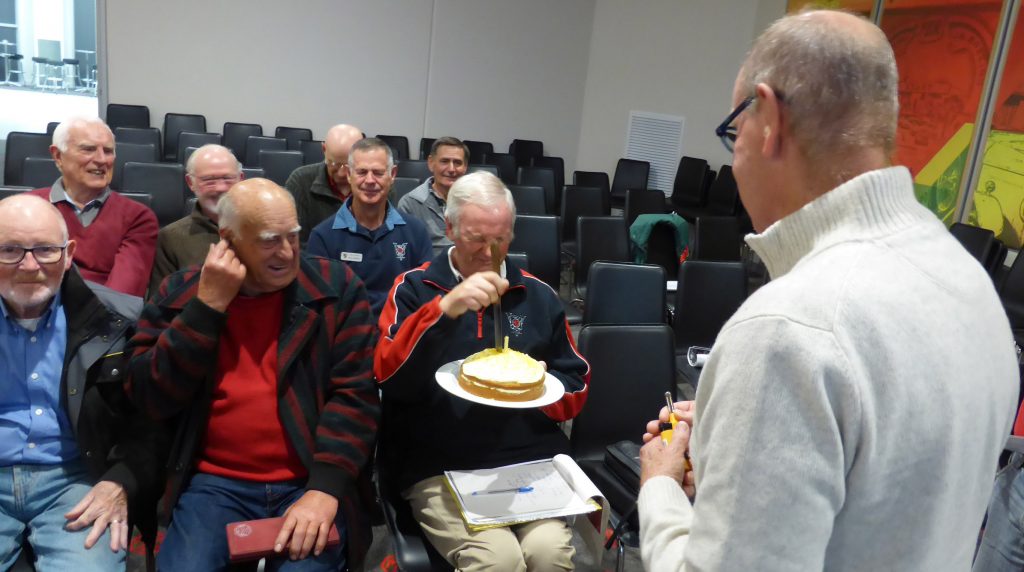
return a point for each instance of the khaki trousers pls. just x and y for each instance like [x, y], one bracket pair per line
[535, 546]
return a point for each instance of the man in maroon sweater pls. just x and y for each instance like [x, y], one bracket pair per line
[116, 236]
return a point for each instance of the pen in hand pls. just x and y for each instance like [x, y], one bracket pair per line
[667, 428]
[500, 491]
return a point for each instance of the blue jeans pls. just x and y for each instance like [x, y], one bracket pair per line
[33, 500]
[1002, 546]
[196, 539]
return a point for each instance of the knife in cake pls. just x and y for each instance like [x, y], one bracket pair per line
[496, 267]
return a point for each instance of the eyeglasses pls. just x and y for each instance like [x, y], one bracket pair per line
[214, 179]
[332, 164]
[44, 254]
[726, 131]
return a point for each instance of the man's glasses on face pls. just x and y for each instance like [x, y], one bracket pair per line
[726, 131]
[44, 254]
[211, 180]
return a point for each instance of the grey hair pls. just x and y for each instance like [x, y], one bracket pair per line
[61, 136]
[840, 86]
[190, 165]
[369, 144]
[227, 211]
[479, 188]
[450, 142]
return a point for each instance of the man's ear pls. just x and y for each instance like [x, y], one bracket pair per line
[769, 111]
[55, 153]
[226, 234]
[449, 230]
[69, 254]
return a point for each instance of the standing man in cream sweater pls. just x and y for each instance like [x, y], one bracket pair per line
[850, 414]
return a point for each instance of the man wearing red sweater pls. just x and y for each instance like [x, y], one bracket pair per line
[116, 236]
[264, 357]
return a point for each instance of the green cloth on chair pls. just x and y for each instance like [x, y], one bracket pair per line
[640, 232]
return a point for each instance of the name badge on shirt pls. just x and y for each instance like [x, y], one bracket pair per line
[352, 256]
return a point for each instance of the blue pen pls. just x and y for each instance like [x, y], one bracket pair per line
[500, 491]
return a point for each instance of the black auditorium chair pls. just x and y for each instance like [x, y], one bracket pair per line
[529, 199]
[414, 169]
[122, 115]
[425, 144]
[629, 174]
[478, 151]
[576, 202]
[235, 136]
[278, 165]
[1011, 291]
[980, 242]
[255, 143]
[557, 166]
[312, 151]
[525, 151]
[175, 123]
[506, 165]
[542, 177]
[293, 135]
[689, 188]
[707, 295]
[39, 172]
[597, 179]
[6, 191]
[399, 146]
[643, 201]
[537, 236]
[624, 293]
[717, 238]
[141, 136]
[597, 238]
[19, 146]
[253, 172]
[492, 169]
[163, 182]
[189, 139]
[400, 186]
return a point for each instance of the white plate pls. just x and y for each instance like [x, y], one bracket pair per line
[448, 378]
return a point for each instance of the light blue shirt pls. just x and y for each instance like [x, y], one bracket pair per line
[34, 429]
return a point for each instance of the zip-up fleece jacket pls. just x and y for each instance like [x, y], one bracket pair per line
[427, 430]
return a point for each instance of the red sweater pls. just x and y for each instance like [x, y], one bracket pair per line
[117, 249]
[244, 436]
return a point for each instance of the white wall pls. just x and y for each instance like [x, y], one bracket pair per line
[486, 70]
[670, 57]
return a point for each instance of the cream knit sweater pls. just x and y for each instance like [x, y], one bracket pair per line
[851, 412]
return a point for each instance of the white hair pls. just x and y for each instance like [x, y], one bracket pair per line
[479, 188]
[190, 165]
[840, 85]
[61, 135]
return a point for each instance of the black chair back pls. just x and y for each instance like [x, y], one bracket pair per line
[174, 124]
[400, 187]
[624, 293]
[237, 134]
[629, 174]
[492, 169]
[312, 151]
[399, 146]
[51, 127]
[643, 201]
[529, 199]
[540, 177]
[597, 179]
[11, 191]
[520, 259]
[979, 242]
[142, 198]
[717, 238]
[254, 144]
[537, 236]
[506, 165]
[425, 144]
[293, 135]
[163, 182]
[688, 188]
[131, 153]
[1012, 293]
[598, 238]
[724, 196]
[479, 151]
[19, 146]
[122, 115]
[141, 136]
[707, 295]
[278, 165]
[580, 201]
[197, 140]
[39, 172]
[623, 392]
[414, 169]
[253, 172]
[557, 166]
[525, 151]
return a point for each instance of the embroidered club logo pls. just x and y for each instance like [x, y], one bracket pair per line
[400, 250]
[516, 323]
[243, 530]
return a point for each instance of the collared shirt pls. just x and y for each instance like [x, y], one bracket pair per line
[458, 275]
[34, 429]
[424, 203]
[88, 212]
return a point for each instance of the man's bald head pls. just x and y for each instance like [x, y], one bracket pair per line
[248, 197]
[31, 222]
[835, 73]
[337, 145]
[33, 211]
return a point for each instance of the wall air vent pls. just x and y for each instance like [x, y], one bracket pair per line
[657, 139]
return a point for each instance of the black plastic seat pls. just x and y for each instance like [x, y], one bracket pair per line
[537, 236]
[188, 139]
[175, 123]
[979, 242]
[506, 165]
[557, 166]
[140, 135]
[520, 259]
[576, 202]
[707, 295]
[624, 293]
[425, 144]
[163, 182]
[689, 188]
[598, 238]
[256, 143]
[253, 172]
[19, 146]
[529, 199]
[1012, 293]
[717, 238]
[235, 135]
[414, 169]
[399, 146]
[123, 115]
[312, 151]
[643, 201]
[479, 151]
[401, 186]
[10, 191]
[629, 174]
[39, 172]
[525, 151]
[131, 153]
[294, 135]
[540, 177]
[278, 165]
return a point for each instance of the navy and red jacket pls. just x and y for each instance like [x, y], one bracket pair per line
[427, 430]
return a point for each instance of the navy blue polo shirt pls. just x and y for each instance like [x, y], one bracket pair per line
[376, 256]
